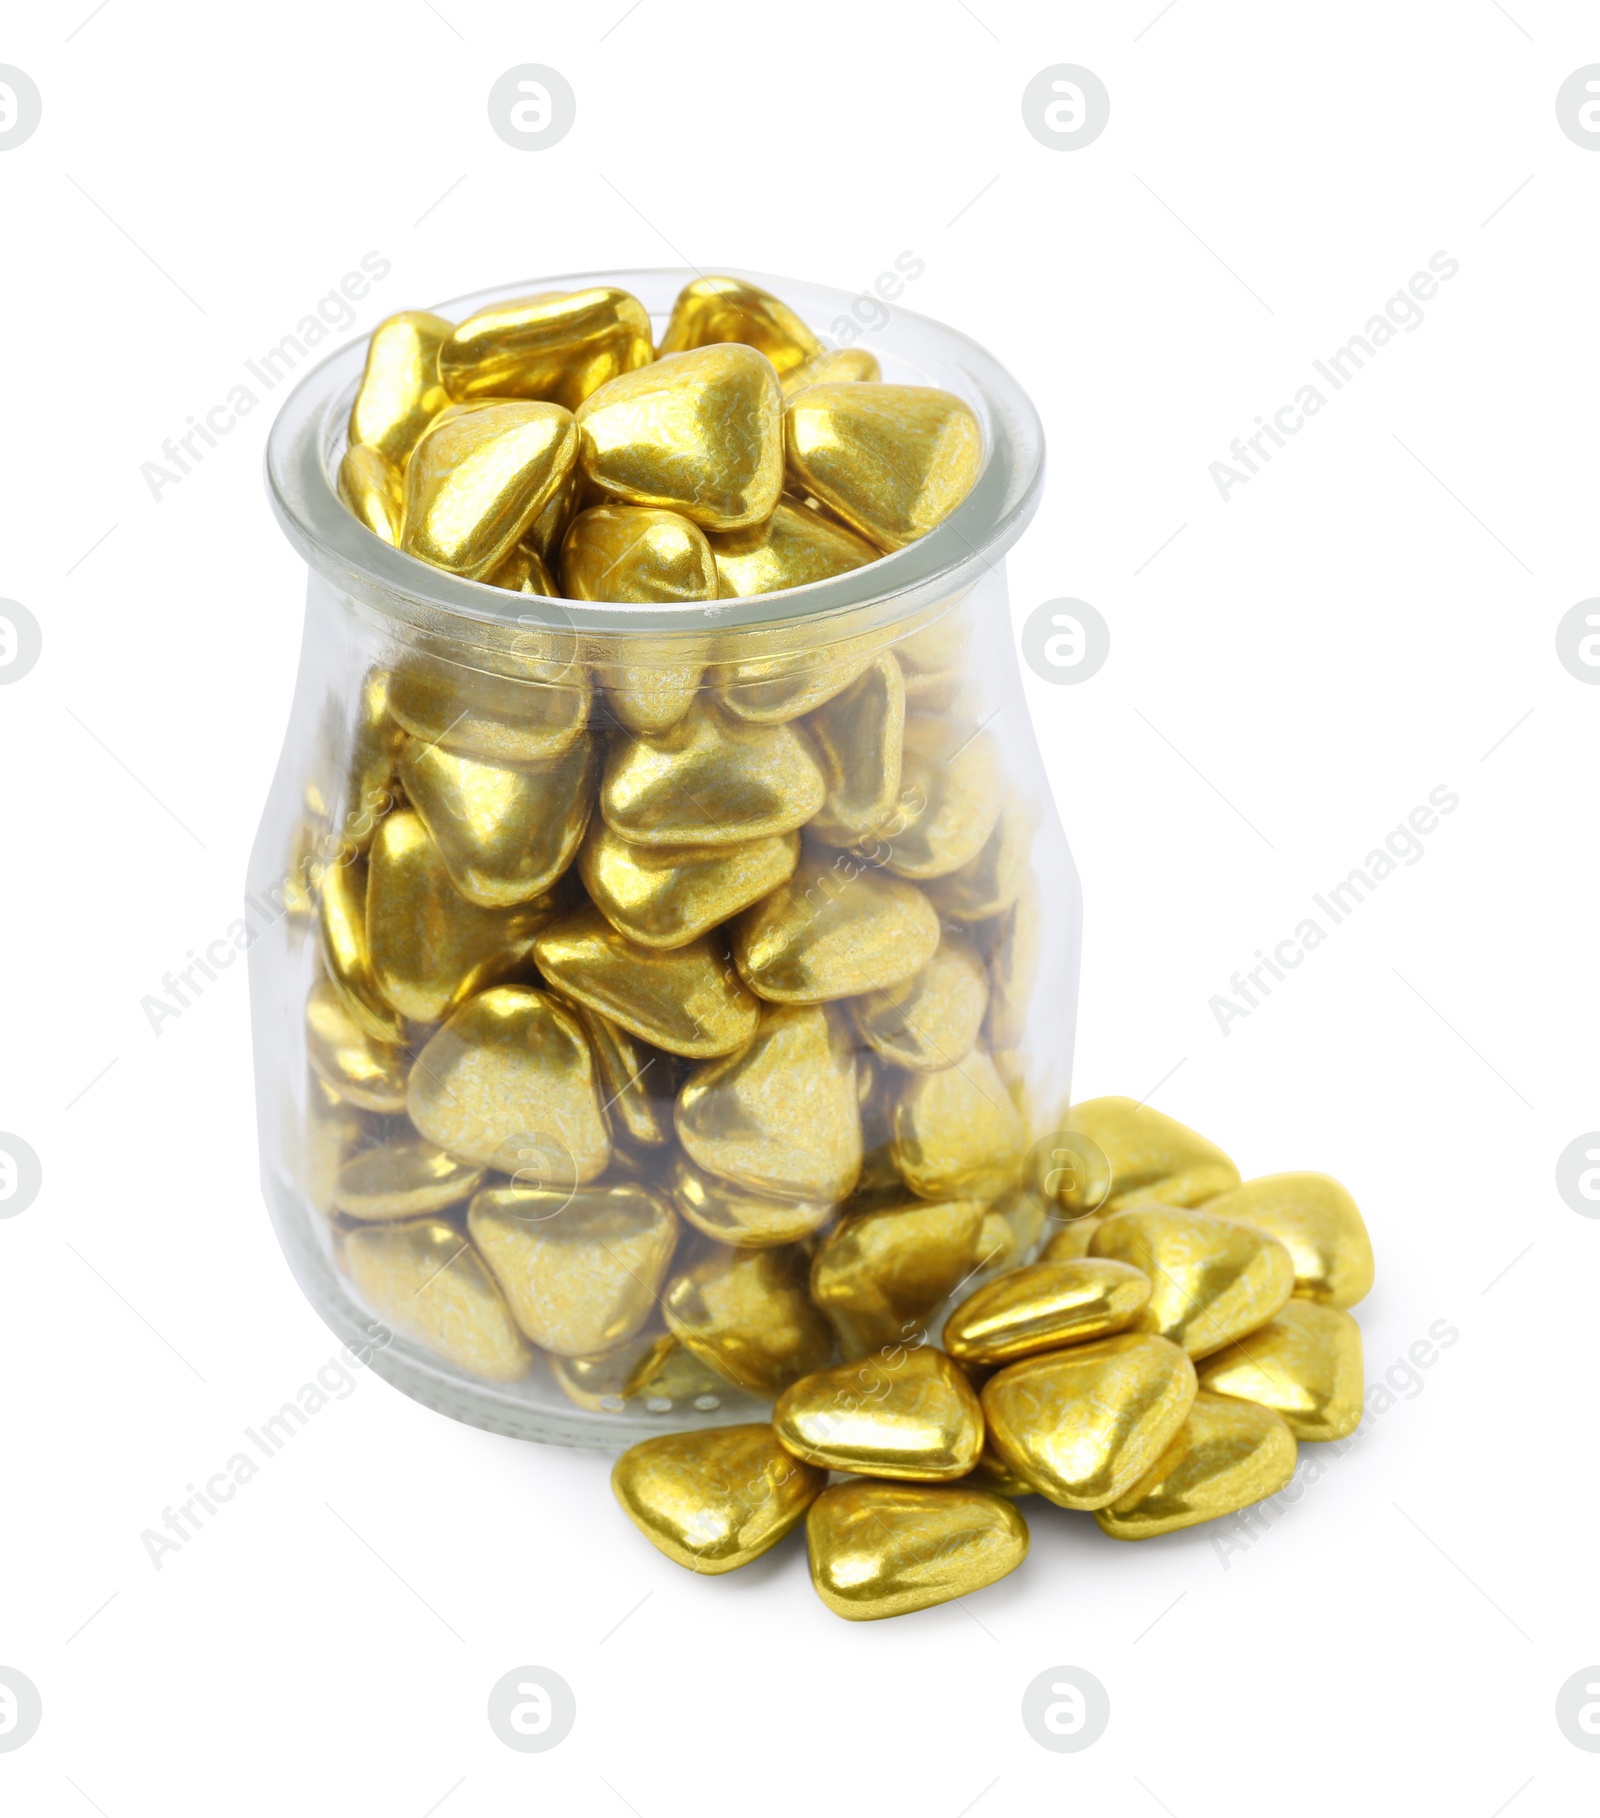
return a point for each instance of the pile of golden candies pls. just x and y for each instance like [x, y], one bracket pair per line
[546, 445]
[1156, 1366]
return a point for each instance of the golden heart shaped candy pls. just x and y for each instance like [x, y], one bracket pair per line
[931, 1019]
[367, 1073]
[505, 832]
[525, 571]
[891, 460]
[686, 999]
[1043, 1307]
[342, 911]
[835, 929]
[700, 433]
[859, 736]
[908, 1415]
[509, 1083]
[657, 684]
[557, 346]
[791, 548]
[885, 1549]
[499, 718]
[425, 1280]
[403, 1179]
[477, 481]
[372, 488]
[1147, 1156]
[747, 1314]
[667, 896]
[879, 1275]
[716, 309]
[400, 392]
[1305, 1364]
[949, 801]
[432, 949]
[1085, 1424]
[957, 1133]
[1319, 1224]
[989, 883]
[780, 1115]
[833, 366]
[734, 1215]
[1225, 1456]
[636, 555]
[711, 780]
[579, 1267]
[1210, 1282]
[713, 1501]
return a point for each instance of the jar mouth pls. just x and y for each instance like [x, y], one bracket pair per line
[308, 439]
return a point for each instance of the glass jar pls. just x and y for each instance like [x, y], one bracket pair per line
[541, 1216]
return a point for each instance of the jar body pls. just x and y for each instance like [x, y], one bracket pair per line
[642, 1018]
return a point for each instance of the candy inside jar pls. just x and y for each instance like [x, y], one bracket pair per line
[678, 966]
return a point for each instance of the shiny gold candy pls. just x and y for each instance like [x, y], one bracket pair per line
[505, 832]
[1318, 1222]
[747, 1314]
[949, 801]
[431, 949]
[711, 780]
[525, 571]
[880, 1274]
[911, 1415]
[684, 999]
[509, 1083]
[733, 1215]
[330, 1132]
[1226, 1455]
[659, 682]
[579, 1268]
[931, 1019]
[373, 489]
[651, 1360]
[700, 433]
[957, 1133]
[713, 1501]
[1011, 1229]
[557, 346]
[859, 735]
[989, 883]
[833, 366]
[1043, 1307]
[477, 481]
[1071, 1240]
[342, 909]
[403, 1179]
[365, 1072]
[635, 1081]
[1210, 1282]
[1305, 1364]
[499, 718]
[1013, 970]
[835, 929]
[892, 460]
[1148, 1156]
[772, 689]
[716, 309]
[667, 896]
[780, 1115]
[672, 1373]
[885, 1549]
[637, 555]
[425, 1280]
[375, 742]
[1085, 1424]
[400, 393]
[791, 548]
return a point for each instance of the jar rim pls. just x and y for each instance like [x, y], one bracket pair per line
[308, 438]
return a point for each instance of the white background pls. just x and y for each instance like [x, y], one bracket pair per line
[1370, 617]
